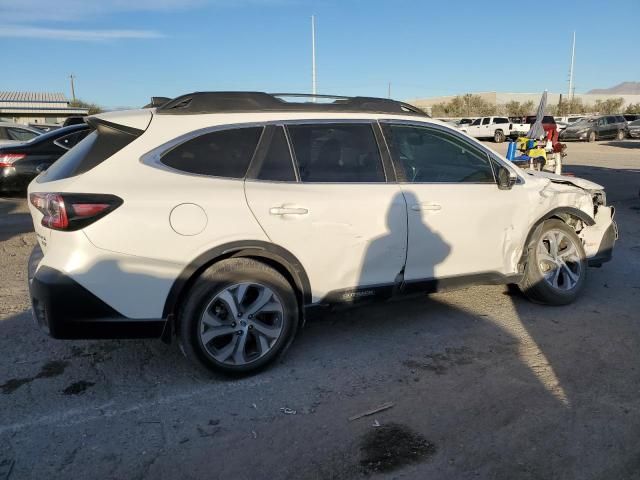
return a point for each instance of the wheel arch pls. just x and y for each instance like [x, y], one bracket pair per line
[273, 255]
[565, 214]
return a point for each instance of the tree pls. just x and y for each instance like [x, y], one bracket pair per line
[568, 107]
[463, 106]
[517, 109]
[633, 108]
[93, 107]
[610, 105]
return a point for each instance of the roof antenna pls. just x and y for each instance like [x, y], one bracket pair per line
[313, 57]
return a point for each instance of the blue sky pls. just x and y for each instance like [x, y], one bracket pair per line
[124, 51]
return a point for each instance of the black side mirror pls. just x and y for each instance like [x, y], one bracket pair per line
[506, 178]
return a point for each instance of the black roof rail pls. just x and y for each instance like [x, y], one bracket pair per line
[230, 102]
[157, 102]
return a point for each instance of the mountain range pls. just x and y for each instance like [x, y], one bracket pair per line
[624, 88]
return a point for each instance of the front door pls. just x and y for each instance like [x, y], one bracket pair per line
[331, 207]
[460, 223]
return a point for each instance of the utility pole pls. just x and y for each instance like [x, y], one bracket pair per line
[573, 54]
[389, 90]
[313, 56]
[73, 90]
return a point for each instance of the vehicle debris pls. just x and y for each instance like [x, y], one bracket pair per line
[384, 406]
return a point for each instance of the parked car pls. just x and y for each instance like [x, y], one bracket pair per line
[20, 163]
[520, 129]
[634, 129]
[564, 122]
[596, 128]
[631, 117]
[465, 121]
[224, 218]
[497, 128]
[12, 133]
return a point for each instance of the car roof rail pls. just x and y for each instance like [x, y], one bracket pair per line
[231, 102]
[157, 102]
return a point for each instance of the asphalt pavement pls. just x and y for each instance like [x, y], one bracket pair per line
[475, 383]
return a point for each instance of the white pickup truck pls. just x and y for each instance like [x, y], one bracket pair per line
[497, 128]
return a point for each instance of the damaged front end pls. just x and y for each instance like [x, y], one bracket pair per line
[598, 231]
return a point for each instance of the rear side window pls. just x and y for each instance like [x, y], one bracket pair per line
[102, 143]
[20, 134]
[224, 153]
[501, 120]
[345, 153]
[277, 164]
[486, 121]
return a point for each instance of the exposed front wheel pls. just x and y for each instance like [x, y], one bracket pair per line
[592, 136]
[620, 135]
[238, 316]
[498, 136]
[556, 267]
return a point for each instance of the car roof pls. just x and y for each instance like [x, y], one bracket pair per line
[257, 102]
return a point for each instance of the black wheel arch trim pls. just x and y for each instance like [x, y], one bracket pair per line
[247, 248]
[555, 213]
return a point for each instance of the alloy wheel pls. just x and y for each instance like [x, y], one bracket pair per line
[559, 260]
[242, 323]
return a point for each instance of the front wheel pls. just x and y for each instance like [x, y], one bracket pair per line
[498, 136]
[556, 265]
[238, 317]
[592, 136]
[620, 135]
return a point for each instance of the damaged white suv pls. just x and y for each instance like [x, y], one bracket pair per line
[223, 218]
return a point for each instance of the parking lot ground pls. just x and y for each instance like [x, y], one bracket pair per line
[483, 384]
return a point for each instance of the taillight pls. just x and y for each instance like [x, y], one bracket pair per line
[72, 211]
[7, 159]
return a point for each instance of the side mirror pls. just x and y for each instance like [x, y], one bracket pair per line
[506, 178]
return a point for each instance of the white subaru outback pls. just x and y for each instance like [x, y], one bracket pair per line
[223, 218]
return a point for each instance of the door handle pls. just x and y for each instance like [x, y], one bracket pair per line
[288, 211]
[426, 206]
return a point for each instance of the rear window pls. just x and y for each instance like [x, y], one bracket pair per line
[98, 146]
[224, 153]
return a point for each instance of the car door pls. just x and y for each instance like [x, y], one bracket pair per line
[325, 198]
[486, 130]
[474, 128]
[460, 223]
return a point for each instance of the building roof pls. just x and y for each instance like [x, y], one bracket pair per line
[37, 103]
[33, 97]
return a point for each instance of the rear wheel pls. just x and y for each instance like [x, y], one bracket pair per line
[556, 267]
[238, 317]
[498, 136]
[620, 135]
[592, 136]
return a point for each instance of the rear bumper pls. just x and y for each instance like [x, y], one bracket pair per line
[65, 309]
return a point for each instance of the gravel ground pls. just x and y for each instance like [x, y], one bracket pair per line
[483, 384]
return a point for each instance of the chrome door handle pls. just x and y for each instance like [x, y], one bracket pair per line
[288, 211]
[426, 206]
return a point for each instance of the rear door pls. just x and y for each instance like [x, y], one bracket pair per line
[325, 198]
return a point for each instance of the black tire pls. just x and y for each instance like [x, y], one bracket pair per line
[592, 137]
[620, 135]
[535, 286]
[498, 136]
[215, 280]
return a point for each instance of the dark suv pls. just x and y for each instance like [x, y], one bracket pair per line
[596, 128]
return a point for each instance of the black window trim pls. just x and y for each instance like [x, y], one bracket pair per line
[260, 155]
[491, 157]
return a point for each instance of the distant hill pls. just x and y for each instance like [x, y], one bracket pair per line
[625, 88]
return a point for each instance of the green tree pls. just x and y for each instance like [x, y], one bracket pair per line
[93, 107]
[633, 108]
[610, 105]
[463, 106]
[517, 109]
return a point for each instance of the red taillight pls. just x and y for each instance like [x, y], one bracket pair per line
[64, 211]
[7, 159]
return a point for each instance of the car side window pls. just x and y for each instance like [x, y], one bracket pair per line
[342, 153]
[223, 153]
[69, 141]
[432, 156]
[601, 122]
[501, 120]
[277, 164]
[476, 122]
[486, 121]
[3, 134]
[20, 134]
